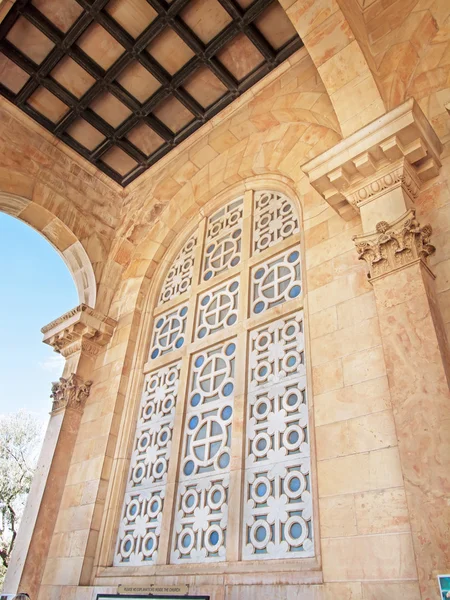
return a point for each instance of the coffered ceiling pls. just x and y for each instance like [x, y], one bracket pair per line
[124, 81]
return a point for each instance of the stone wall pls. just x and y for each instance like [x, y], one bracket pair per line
[361, 60]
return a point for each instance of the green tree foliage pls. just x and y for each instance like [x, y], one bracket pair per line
[20, 438]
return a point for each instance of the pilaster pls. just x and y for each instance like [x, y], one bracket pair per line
[378, 172]
[79, 335]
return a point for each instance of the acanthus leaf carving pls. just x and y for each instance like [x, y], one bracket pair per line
[70, 392]
[395, 245]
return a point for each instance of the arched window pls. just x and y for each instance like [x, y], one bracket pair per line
[220, 468]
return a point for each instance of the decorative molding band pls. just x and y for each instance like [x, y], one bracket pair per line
[70, 393]
[394, 246]
[398, 174]
[80, 329]
[399, 149]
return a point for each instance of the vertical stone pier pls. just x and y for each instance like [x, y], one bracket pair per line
[79, 336]
[378, 172]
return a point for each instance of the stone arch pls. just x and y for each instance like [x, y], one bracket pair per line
[60, 237]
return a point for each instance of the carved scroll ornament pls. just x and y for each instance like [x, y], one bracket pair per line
[70, 393]
[394, 246]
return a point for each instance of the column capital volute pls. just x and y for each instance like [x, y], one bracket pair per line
[400, 149]
[79, 329]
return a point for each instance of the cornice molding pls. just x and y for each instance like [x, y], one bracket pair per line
[79, 329]
[399, 148]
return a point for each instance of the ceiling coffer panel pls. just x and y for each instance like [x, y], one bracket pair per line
[123, 82]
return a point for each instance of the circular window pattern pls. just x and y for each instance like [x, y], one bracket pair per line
[154, 506]
[127, 546]
[216, 496]
[261, 490]
[213, 538]
[190, 501]
[295, 531]
[260, 534]
[186, 541]
[132, 509]
[294, 484]
[149, 542]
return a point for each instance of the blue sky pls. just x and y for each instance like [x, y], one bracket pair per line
[35, 288]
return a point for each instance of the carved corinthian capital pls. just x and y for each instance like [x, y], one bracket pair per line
[70, 392]
[394, 246]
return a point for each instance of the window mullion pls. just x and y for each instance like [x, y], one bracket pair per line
[234, 526]
[180, 410]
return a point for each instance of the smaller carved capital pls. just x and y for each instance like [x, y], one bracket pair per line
[80, 329]
[394, 246]
[70, 392]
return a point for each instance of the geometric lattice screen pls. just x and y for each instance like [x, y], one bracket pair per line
[223, 419]
[124, 81]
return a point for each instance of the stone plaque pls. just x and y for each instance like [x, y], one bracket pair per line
[154, 591]
[174, 590]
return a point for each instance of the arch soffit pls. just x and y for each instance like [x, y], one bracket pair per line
[336, 38]
[60, 237]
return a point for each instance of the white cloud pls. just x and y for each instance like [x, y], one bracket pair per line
[53, 363]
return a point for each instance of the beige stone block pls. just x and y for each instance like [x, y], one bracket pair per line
[309, 14]
[316, 234]
[370, 432]
[375, 470]
[62, 571]
[78, 542]
[363, 92]
[442, 272]
[343, 591]
[327, 377]
[383, 511]
[50, 592]
[343, 67]
[337, 516]
[320, 275]
[12, 205]
[364, 365]
[343, 342]
[330, 248]
[352, 401]
[59, 235]
[369, 114]
[13, 182]
[328, 38]
[36, 216]
[387, 590]
[369, 557]
[68, 592]
[339, 290]
[356, 310]
[323, 322]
